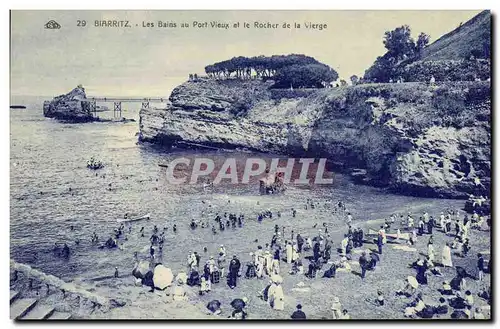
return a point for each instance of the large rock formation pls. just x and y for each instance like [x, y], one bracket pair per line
[411, 138]
[72, 107]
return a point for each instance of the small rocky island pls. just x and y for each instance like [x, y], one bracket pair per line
[75, 107]
[72, 107]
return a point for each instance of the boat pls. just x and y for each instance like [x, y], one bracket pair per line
[17, 107]
[124, 220]
[94, 165]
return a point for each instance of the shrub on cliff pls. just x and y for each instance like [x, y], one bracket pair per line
[243, 102]
[447, 59]
[455, 105]
[446, 70]
[304, 76]
[241, 107]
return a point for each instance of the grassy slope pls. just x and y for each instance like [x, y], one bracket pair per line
[458, 43]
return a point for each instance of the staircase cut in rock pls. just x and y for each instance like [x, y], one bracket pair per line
[21, 307]
[13, 295]
[60, 316]
[39, 312]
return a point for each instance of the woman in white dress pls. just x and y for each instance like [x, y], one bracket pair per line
[336, 308]
[446, 256]
[430, 252]
[278, 298]
[289, 253]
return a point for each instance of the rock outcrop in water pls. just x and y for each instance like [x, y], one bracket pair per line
[410, 137]
[72, 107]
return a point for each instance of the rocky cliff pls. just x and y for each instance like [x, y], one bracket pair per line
[412, 138]
[71, 107]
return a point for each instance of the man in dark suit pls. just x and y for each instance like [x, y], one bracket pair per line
[234, 268]
[363, 263]
[298, 314]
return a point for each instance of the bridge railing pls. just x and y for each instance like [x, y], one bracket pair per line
[117, 106]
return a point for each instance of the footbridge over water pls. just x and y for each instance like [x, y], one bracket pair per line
[117, 103]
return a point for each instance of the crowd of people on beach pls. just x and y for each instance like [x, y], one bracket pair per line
[314, 256]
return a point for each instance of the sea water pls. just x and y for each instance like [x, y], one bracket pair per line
[48, 158]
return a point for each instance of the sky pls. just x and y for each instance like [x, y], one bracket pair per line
[151, 61]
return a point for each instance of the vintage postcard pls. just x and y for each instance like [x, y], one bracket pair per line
[250, 165]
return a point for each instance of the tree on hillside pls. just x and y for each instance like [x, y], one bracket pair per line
[399, 43]
[401, 48]
[422, 42]
[354, 79]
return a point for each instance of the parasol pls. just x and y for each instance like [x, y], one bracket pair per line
[412, 281]
[214, 305]
[162, 277]
[238, 304]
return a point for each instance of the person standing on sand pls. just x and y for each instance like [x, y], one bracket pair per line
[430, 249]
[421, 225]
[430, 225]
[268, 262]
[336, 308]
[442, 221]
[234, 268]
[343, 245]
[270, 293]
[410, 221]
[289, 253]
[480, 267]
[380, 243]
[363, 263]
[316, 251]
[300, 242]
[278, 298]
[446, 256]
[276, 267]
